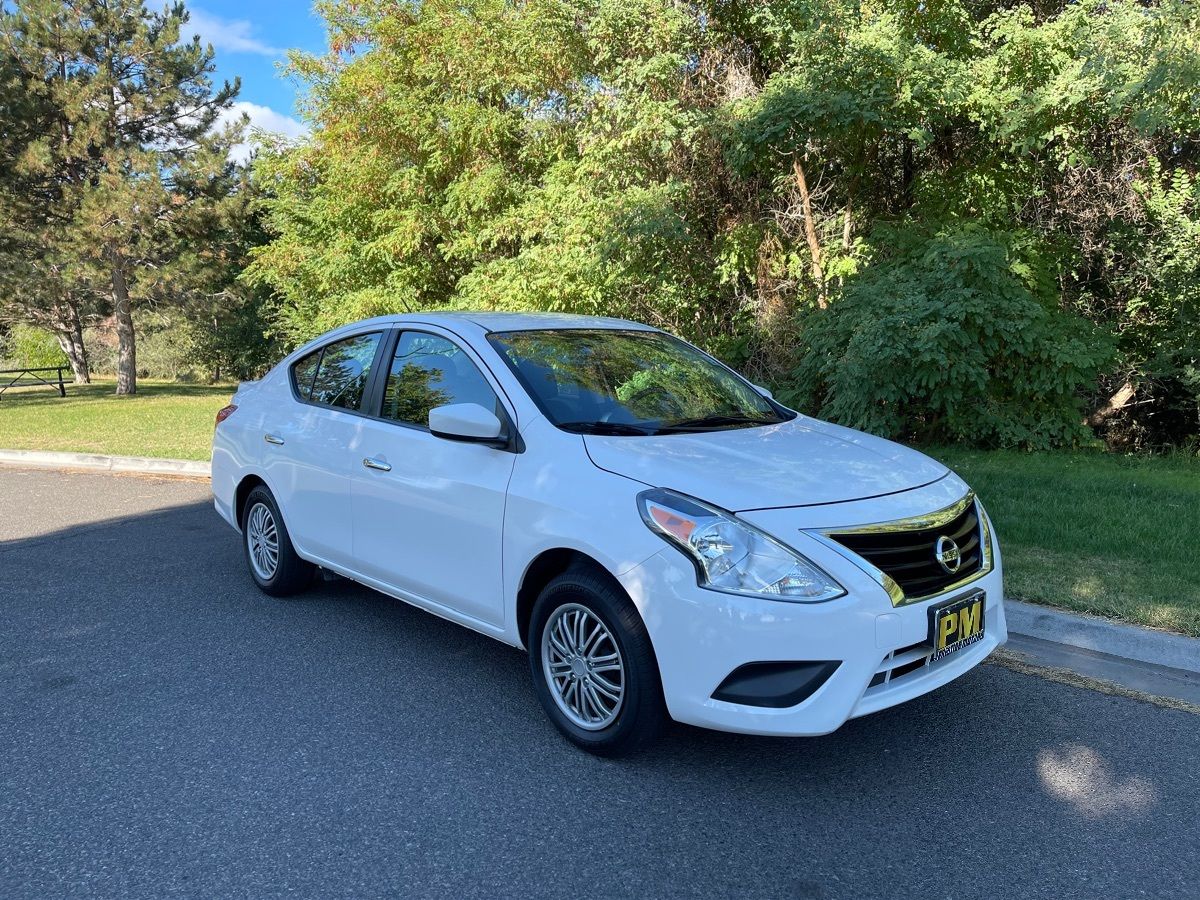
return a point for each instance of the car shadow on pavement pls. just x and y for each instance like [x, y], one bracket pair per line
[143, 675]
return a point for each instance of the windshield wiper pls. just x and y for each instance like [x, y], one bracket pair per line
[606, 428]
[716, 421]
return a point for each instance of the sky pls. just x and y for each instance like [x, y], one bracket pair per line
[250, 38]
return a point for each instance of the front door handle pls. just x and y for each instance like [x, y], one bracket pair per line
[376, 464]
[273, 439]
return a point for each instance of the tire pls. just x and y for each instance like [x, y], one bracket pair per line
[261, 520]
[612, 727]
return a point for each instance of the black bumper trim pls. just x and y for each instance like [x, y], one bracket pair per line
[776, 685]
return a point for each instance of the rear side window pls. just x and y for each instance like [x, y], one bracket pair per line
[303, 373]
[429, 371]
[341, 373]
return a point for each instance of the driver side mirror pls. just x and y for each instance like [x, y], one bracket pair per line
[762, 390]
[465, 422]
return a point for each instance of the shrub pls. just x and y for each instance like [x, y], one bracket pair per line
[161, 353]
[953, 336]
[1156, 272]
[27, 345]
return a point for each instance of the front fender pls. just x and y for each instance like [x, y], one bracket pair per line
[558, 500]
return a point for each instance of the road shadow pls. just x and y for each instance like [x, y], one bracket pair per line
[144, 675]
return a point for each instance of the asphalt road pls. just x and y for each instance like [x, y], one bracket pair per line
[167, 730]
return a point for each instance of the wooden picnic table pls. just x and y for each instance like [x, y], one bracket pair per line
[32, 377]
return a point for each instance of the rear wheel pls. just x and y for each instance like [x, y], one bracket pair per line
[593, 666]
[273, 562]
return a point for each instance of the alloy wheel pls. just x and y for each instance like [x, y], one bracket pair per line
[262, 539]
[583, 667]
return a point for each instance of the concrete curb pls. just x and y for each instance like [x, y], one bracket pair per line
[94, 462]
[1160, 648]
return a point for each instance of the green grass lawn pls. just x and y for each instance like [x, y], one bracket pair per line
[1094, 532]
[161, 419]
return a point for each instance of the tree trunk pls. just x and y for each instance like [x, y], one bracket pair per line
[126, 345]
[69, 332]
[73, 347]
[83, 374]
[1117, 402]
[848, 214]
[909, 170]
[810, 231]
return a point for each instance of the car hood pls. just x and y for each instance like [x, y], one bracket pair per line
[803, 462]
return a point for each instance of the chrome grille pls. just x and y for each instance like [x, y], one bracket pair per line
[909, 555]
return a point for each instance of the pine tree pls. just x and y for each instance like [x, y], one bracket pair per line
[111, 157]
[34, 286]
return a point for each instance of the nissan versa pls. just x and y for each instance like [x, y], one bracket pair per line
[662, 536]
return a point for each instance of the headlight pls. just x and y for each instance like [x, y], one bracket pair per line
[732, 556]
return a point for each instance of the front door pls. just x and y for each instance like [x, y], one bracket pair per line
[429, 512]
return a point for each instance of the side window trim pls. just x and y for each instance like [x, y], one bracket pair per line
[372, 405]
[366, 405]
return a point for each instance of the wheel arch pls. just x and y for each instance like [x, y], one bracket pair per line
[544, 568]
[248, 483]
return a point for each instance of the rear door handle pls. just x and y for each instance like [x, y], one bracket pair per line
[376, 464]
[272, 439]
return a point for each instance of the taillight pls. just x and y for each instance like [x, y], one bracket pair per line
[224, 413]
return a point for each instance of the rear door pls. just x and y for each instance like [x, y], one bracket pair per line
[312, 445]
[429, 512]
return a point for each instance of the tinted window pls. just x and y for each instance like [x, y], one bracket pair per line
[606, 381]
[429, 371]
[343, 372]
[303, 372]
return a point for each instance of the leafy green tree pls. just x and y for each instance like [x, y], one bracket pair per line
[756, 176]
[853, 100]
[490, 154]
[1092, 114]
[228, 328]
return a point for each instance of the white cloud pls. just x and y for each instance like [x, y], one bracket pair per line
[265, 119]
[231, 35]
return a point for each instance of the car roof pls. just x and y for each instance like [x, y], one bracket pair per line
[486, 322]
[508, 321]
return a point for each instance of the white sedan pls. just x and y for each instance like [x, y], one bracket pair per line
[662, 536]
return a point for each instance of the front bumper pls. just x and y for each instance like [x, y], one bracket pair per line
[701, 636]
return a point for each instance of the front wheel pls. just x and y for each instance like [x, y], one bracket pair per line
[273, 562]
[593, 666]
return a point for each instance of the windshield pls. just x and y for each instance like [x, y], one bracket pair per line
[605, 381]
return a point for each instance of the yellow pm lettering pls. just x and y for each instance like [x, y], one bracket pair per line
[968, 621]
[947, 627]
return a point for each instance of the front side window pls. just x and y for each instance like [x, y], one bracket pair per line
[607, 381]
[343, 371]
[429, 371]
